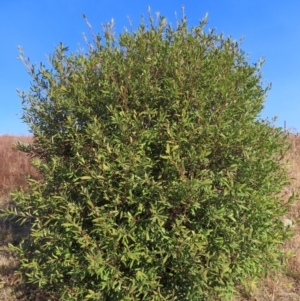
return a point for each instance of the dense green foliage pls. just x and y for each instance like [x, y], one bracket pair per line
[159, 182]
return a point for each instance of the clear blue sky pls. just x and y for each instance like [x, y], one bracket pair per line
[271, 29]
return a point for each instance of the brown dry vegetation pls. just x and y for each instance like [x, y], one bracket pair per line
[14, 164]
[280, 286]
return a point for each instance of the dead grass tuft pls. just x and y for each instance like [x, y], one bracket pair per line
[14, 164]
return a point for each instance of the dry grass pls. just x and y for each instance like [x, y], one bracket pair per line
[14, 164]
[13, 169]
[278, 286]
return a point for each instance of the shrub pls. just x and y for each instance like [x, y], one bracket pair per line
[159, 181]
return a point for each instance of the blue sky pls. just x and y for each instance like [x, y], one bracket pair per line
[270, 29]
